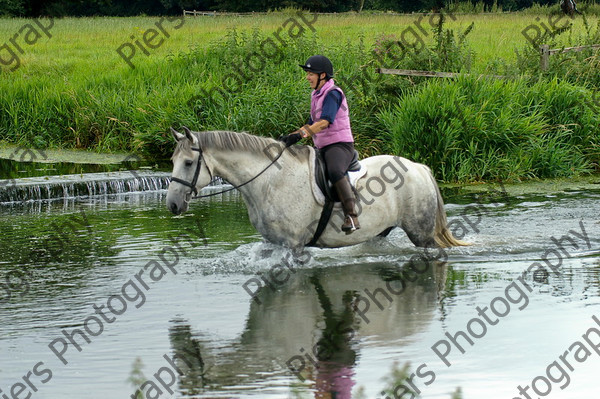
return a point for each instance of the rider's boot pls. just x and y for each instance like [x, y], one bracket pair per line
[346, 194]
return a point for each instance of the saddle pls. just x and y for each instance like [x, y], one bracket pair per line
[327, 196]
[321, 175]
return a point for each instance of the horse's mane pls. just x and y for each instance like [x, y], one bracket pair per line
[225, 140]
[232, 141]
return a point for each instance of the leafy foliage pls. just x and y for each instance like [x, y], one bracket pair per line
[479, 129]
[12, 7]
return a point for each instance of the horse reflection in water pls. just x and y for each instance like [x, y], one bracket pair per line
[311, 328]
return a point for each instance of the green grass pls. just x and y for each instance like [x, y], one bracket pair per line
[88, 45]
[74, 91]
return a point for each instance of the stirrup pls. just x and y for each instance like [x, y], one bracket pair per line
[349, 226]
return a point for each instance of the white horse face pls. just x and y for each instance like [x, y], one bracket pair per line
[189, 174]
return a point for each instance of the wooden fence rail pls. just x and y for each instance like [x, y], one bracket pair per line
[201, 13]
[429, 74]
[240, 14]
[215, 14]
[545, 53]
[386, 13]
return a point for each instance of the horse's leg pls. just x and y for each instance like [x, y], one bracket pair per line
[418, 222]
[424, 218]
[417, 212]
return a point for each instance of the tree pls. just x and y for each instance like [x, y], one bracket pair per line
[12, 8]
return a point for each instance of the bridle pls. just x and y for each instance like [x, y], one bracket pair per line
[192, 184]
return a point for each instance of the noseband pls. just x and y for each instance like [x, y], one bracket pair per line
[192, 185]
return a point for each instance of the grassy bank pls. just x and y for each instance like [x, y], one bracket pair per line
[73, 90]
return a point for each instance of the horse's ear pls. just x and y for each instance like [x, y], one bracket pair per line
[188, 133]
[178, 136]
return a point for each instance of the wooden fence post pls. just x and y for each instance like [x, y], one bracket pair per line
[544, 57]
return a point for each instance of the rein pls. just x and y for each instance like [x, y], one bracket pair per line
[192, 185]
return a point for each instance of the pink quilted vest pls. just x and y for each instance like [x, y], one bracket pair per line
[339, 131]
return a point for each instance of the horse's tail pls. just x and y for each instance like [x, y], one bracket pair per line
[443, 236]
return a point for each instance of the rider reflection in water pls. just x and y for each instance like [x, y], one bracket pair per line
[329, 126]
[334, 372]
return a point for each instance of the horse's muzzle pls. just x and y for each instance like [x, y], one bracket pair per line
[178, 203]
[175, 209]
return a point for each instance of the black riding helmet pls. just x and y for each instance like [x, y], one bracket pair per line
[318, 64]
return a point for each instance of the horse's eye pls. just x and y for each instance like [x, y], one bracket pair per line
[189, 162]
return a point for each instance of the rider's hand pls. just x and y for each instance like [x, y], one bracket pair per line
[304, 131]
[290, 139]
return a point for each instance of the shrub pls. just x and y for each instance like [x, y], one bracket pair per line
[478, 129]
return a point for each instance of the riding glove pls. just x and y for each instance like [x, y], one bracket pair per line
[290, 139]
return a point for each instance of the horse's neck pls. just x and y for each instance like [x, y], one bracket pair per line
[240, 167]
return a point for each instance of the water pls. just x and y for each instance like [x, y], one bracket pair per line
[60, 258]
[34, 181]
[19, 163]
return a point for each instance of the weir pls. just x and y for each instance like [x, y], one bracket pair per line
[83, 185]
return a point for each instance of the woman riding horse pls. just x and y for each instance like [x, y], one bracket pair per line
[329, 126]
